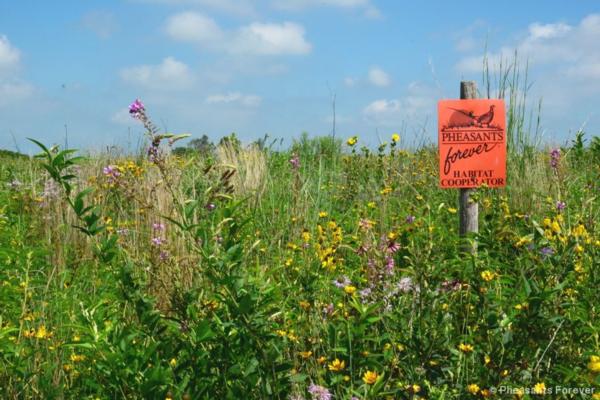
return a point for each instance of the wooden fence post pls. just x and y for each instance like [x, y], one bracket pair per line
[468, 210]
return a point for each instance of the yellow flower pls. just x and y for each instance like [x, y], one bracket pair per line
[395, 138]
[452, 210]
[352, 141]
[323, 214]
[322, 360]
[488, 275]
[594, 364]
[371, 204]
[578, 248]
[414, 388]
[305, 236]
[173, 362]
[539, 388]
[42, 333]
[305, 354]
[473, 388]
[465, 348]
[305, 305]
[337, 365]
[77, 357]
[370, 377]
[386, 190]
[350, 289]
[487, 359]
[281, 333]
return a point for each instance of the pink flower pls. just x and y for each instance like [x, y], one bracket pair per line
[136, 109]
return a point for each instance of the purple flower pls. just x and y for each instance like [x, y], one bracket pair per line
[410, 219]
[546, 251]
[328, 309]
[560, 205]
[295, 161]
[342, 281]
[164, 255]
[393, 246]
[319, 392]
[157, 226]
[136, 109]
[389, 265]
[362, 249]
[366, 292]
[554, 158]
[158, 241]
[451, 285]
[112, 173]
[406, 285]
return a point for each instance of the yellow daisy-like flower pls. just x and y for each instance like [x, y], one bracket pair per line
[488, 275]
[42, 333]
[473, 388]
[452, 210]
[395, 138]
[337, 365]
[305, 354]
[173, 362]
[466, 348]
[323, 214]
[350, 289]
[352, 141]
[594, 364]
[370, 377]
[539, 388]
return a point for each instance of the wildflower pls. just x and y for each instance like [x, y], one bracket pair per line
[305, 354]
[594, 364]
[328, 309]
[451, 285]
[352, 141]
[410, 219]
[305, 236]
[488, 275]
[389, 265]
[210, 206]
[163, 255]
[42, 333]
[342, 281]
[350, 289]
[473, 388]
[323, 214]
[560, 205]
[466, 348]
[554, 158]
[452, 210]
[371, 204]
[158, 241]
[546, 251]
[414, 388]
[386, 190]
[157, 226]
[77, 357]
[539, 388]
[336, 365]
[295, 161]
[305, 305]
[406, 285]
[136, 109]
[370, 377]
[393, 246]
[319, 392]
[395, 138]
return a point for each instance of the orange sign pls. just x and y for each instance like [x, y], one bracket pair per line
[472, 142]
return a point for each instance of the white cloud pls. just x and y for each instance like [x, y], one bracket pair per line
[256, 38]
[169, 74]
[235, 97]
[566, 47]
[418, 102]
[14, 91]
[271, 39]
[243, 8]
[302, 4]
[193, 27]
[9, 55]
[379, 77]
[349, 82]
[102, 23]
[122, 117]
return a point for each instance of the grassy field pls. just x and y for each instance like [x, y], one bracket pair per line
[326, 271]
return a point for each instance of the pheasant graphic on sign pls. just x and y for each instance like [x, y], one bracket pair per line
[472, 143]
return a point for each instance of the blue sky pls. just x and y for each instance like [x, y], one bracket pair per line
[271, 66]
